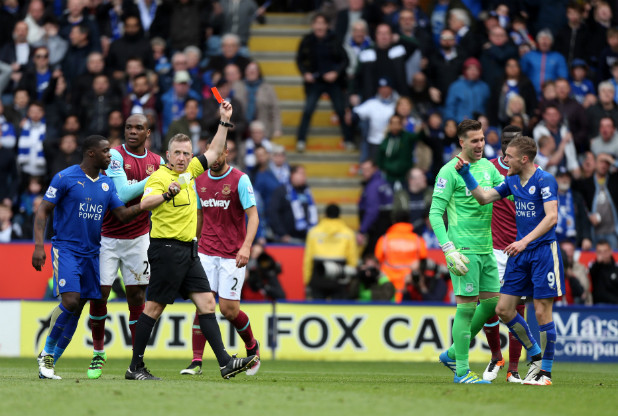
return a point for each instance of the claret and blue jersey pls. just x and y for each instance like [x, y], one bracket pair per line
[529, 203]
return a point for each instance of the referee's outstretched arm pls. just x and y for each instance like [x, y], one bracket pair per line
[218, 142]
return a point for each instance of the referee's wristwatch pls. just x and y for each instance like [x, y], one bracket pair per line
[226, 124]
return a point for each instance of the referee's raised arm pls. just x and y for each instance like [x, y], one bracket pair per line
[218, 142]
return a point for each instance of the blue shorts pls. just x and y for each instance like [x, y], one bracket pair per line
[537, 272]
[74, 273]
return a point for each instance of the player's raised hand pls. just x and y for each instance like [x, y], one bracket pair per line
[38, 258]
[462, 166]
[225, 111]
[455, 261]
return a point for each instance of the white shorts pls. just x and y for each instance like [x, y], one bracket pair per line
[131, 256]
[224, 277]
[501, 259]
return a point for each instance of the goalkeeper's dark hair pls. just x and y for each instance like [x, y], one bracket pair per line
[92, 143]
[468, 125]
[526, 146]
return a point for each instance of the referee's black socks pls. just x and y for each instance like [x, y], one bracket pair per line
[210, 329]
[143, 329]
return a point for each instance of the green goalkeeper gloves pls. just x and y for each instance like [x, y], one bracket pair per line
[455, 261]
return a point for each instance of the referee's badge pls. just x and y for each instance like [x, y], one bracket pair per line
[226, 189]
[105, 186]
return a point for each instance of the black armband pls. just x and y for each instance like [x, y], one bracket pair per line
[167, 197]
[225, 124]
[202, 159]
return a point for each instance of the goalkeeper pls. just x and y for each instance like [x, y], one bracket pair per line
[467, 246]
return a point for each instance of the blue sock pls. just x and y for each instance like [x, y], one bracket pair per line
[57, 329]
[67, 335]
[548, 344]
[519, 328]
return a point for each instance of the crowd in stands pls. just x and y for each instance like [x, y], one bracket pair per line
[400, 75]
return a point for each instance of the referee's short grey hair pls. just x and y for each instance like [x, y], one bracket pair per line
[547, 33]
[179, 137]
[461, 14]
[606, 85]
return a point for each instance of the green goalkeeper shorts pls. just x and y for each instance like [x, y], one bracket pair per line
[482, 276]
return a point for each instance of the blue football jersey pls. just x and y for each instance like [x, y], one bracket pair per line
[81, 204]
[529, 211]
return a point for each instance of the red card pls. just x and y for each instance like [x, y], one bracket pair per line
[215, 91]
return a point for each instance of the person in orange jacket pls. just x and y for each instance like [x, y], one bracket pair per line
[400, 252]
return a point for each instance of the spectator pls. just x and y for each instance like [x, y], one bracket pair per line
[607, 140]
[573, 223]
[263, 178]
[162, 65]
[468, 95]
[606, 107]
[194, 56]
[190, 124]
[68, 155]
[444, 66]
[330, 257]
[6, 226]
[34, 20]
[23, 222]
[604, 275]
[543, 64]
[232, 74]
[375, 113]
[257, 137]
[95, 65]
[132, 44]
[573, 114]
[588, 165]
[396, 152]
[149, 12]
[514, 82]
[374, 206]
[179, 62]
[419, 95]
[359, 41]
[211, 117]
[575, 276]
[495, 55]
[549, 156]
[77, 16]
[9, 177]
[259, 100]
[8, 138]
[581, 87]
[279, 165]
[17, 51]
[36, 79]
[408, 33]
[551, 126]
[599, 21]
[97, 104]
[56, 44]
[262, 281]
[400, 251]
[419, 197]
[322, 61]
[372, 285]
[356, 10]
[600, 193]
[74, 62]
[230, 54]
[291, 210]
[9, 16]
[115, 127]
[173, 100]
[232, 154]
[386, 57]
[237, 18]
[30, 145]
[141, 98]
[467, 40]
[430, 284]
[520, 35]
[572, 40]
[609, 55]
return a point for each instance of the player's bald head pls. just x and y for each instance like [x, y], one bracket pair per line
[137, 119]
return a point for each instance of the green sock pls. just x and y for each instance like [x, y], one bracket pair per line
[461, 335]
[485, 310]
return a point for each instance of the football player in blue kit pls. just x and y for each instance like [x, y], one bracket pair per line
[79, 196]
[534, 267]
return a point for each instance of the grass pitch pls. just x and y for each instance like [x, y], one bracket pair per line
[301, 388]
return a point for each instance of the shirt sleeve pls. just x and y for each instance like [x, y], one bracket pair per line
[197, 166]
[442, 194]
[56, 190]
[548, 187]
[154, 186]
[503, 189]
[126, 192]
[114, 200]
[245, 192]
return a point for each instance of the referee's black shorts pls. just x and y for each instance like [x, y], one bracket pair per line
[173, 270]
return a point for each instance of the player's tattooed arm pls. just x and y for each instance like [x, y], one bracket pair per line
[40, 220]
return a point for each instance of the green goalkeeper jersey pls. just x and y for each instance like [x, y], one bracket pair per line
[469, 223]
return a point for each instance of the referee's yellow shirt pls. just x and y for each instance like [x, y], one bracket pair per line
[177, 218]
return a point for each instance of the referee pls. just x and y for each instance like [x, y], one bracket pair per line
[175, 267]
